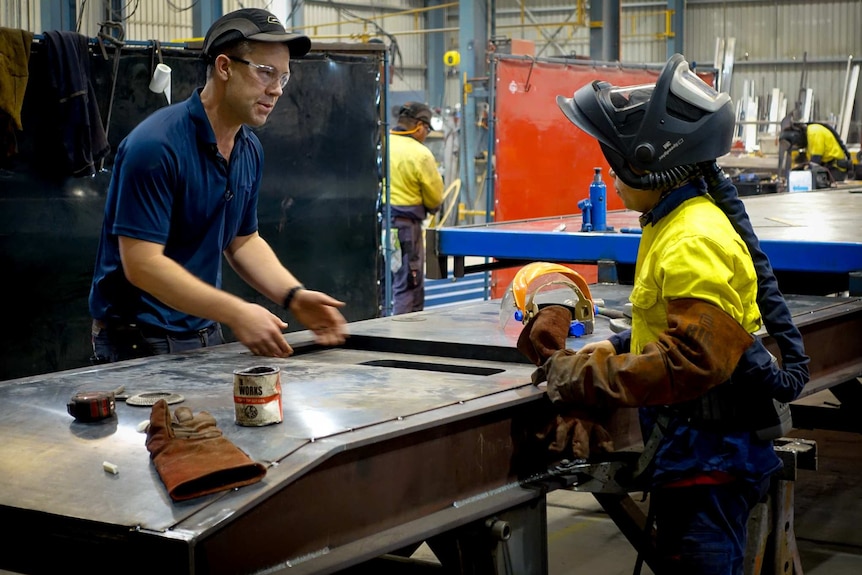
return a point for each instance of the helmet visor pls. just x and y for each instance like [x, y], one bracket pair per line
[539, 284]
[611, 114]
[625, 98]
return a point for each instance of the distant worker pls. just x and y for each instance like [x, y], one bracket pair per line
[822, 145]
[416, 191]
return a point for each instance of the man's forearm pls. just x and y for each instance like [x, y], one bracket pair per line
[254, 260]
[174, 286]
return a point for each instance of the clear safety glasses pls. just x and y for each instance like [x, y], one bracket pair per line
[266, 74]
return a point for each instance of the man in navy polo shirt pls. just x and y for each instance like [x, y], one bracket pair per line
[183, 193]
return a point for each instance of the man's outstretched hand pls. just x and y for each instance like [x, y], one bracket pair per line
[319, 313]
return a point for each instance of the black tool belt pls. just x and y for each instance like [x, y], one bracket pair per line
[727, 408]
[149, 331]
[735, 407]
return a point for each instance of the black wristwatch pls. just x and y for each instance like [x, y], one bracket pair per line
[288, 299]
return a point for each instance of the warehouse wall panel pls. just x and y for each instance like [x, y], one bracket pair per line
[163, 21]
[772, 41]
[557, 28]
[24, 15]
[383, 21]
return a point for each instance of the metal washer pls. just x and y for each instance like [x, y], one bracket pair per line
[149, 398]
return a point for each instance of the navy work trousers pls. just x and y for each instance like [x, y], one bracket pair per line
[118, 343]
[703, 529]
[408, 283]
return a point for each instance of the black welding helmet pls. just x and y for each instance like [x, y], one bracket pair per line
[661, 130]
[795, 136]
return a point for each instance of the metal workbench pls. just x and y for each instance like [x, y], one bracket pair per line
[412, 431]
[377, 449]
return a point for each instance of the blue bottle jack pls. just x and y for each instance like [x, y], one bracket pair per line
[594, 209]
[599, 200]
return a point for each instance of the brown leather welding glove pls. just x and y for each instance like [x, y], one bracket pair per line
[545, 333]
[570, 435]
[192, 457]
[699, 350]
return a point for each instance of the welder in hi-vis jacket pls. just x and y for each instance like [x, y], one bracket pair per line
[707, 388]
[416, 190]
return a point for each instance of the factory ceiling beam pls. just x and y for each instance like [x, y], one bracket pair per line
[204, 13]
[605, 30]
[58, 15]
[435, 47]
[675, 37]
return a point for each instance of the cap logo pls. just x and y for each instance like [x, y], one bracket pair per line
[273, 20]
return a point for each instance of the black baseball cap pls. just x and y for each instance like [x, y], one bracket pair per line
[252, 24]
[417, 111]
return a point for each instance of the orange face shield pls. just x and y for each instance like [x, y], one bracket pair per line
[542, 283]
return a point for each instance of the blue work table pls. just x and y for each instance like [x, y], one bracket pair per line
[816, 232]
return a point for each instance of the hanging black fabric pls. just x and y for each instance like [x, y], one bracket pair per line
[80, 125]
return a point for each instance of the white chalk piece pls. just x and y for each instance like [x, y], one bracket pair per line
[110, 467]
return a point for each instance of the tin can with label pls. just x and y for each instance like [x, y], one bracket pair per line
[257, 395]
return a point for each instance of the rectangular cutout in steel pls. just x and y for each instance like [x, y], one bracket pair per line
[441, 367]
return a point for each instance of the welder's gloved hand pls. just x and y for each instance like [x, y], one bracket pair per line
[571, 435]
[545, 333]
[192, 457]
[698, 351]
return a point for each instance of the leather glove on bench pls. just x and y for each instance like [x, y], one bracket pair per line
[571, 433]
[192, 457]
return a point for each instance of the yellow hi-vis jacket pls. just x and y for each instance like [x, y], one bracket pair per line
[822, 142]
[414, 179]
[693, 252]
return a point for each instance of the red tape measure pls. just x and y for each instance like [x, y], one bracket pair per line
[89, 406]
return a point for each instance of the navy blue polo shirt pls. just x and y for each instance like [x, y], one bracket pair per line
[171, 186]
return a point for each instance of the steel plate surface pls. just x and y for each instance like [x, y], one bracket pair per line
[52, 463]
